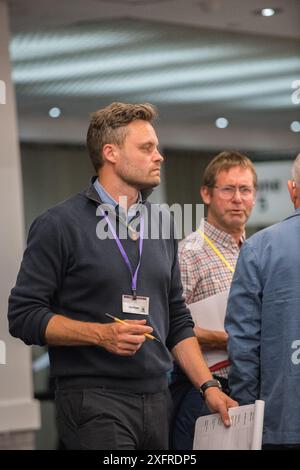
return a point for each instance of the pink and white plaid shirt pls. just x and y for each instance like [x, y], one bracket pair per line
[203, 273]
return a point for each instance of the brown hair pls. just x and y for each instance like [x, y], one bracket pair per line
[108, 126]
[223, 162]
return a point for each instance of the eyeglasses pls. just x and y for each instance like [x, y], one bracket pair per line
[227, 192]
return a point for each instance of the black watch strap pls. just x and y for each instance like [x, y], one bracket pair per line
[208, 384]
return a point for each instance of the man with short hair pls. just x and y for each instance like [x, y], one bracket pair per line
[110, 307]
[207, 259]
[263, 324]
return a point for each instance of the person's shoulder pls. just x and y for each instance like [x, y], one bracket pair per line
[191, 244]
[69, 203]
[274, 231]
[63, 210]
[257, 239]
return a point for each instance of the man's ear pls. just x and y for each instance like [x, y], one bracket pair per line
[292, 190]
[109, 153]
[206, 194]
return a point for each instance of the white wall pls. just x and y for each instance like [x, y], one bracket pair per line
[18, 411]
[272, 200]
[181, 137]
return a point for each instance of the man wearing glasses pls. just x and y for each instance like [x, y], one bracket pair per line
[207, 260]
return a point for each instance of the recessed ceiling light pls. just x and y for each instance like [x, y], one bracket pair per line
[54, 112]
[221, 123]
[267, 12]
[295, 126]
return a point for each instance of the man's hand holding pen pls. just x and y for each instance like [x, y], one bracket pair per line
[123, 338]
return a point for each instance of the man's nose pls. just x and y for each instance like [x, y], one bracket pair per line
[237, 195]
[158, 156]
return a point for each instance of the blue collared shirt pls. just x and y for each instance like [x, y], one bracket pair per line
[107, 199]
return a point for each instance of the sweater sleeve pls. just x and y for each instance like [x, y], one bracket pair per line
[181, 322]
[39, 278]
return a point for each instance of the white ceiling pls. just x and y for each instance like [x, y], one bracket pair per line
[196, 60]
[230, 15]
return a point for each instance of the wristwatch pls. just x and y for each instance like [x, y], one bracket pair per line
[208, 384]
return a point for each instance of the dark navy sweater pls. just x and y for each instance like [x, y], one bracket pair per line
[68, 270]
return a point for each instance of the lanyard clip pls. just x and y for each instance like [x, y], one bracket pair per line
[134, 294]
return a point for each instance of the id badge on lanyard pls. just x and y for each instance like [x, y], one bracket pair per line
[132, 303]
[139, 305]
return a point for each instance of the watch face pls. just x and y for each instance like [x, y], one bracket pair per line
[218, 384]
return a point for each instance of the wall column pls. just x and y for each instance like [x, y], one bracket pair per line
[19, 413]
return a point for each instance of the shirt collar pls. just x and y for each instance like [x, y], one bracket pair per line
[221, 237]
[92, 194]
[106, 198]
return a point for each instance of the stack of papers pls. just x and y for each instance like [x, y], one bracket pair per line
[245, 432]
[210, 313]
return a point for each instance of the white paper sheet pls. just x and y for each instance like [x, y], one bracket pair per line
[209, 313]
[245, 432]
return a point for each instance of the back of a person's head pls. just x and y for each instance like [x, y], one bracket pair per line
[224, 161]
[108, 126]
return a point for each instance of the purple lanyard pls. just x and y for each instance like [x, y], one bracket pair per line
[123, 252]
